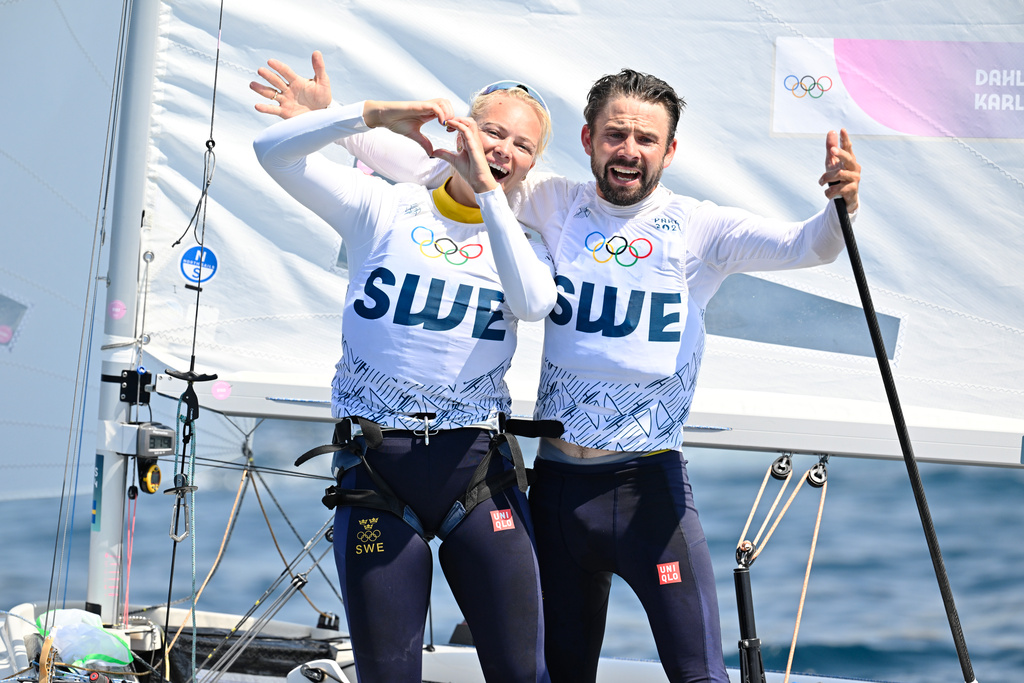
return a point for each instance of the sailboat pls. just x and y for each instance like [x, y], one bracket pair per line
[192, 260]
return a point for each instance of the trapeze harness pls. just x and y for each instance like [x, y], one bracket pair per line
[350, 452]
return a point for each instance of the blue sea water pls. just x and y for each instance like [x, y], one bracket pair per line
[873, 608]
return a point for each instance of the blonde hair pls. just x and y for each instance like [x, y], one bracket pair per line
[481, 102]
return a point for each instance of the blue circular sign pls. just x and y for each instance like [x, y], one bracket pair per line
[198, 264]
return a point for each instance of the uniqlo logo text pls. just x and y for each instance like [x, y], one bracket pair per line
[668, 573]
[502, 520]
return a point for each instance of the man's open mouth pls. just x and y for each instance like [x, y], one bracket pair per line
[623, 174]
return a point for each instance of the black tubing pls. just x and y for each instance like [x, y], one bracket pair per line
[751, 664]
[904, 437]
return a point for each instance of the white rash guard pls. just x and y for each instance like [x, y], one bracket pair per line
[623, 345]
[428, 325]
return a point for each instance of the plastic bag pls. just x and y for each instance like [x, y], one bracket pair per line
[81, 640]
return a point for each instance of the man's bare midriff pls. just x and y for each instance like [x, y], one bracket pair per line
[577, 451]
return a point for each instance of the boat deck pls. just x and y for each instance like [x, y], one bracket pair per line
[441, 663]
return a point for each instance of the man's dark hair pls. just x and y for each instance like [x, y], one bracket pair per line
[644, 87]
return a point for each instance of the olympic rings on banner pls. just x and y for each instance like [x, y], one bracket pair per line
[808, 85]
[368, 536]
[616, 246]
[444, 246]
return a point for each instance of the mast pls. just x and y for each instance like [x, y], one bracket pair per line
[105, 538]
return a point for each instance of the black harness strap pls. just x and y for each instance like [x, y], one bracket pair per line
[530, 428]
[481, 487]
[382, 499]
[319, 450]
[508, 430]
[343, 438]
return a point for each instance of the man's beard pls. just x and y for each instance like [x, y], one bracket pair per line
[623, 196]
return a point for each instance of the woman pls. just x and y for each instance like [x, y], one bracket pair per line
[437, 282]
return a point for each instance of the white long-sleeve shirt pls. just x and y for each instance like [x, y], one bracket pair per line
[624, 343]
[428, 325]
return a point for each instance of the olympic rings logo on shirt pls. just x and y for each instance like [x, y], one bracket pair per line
[807, 86]
[444, 246]
[616, 246]
[368, 536]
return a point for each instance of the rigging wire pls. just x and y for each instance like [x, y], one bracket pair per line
[249, 471]
[754, 545]
[133, 506]
[257, 626]
[235, 651]
[215, 464]
[138, 328]
[65, 528]
[807, 579]
[749, 545]
[277, 546]
[243, 485]
[295, 531]
[198, 225]
[183, 486]
[747, 551]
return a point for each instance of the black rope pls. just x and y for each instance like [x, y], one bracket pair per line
[198, 219]
[198, 226]
[216, 72]
[904, 437]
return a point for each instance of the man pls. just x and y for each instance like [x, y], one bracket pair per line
[636, 266]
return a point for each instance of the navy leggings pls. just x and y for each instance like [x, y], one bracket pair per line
[636, 519]
[489, 560]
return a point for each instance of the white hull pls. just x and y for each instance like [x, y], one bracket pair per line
[441, 663]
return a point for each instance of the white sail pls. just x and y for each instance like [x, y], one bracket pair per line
[789, 363]
[938, 230]
[51, 156]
